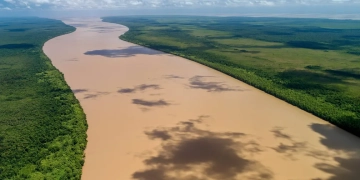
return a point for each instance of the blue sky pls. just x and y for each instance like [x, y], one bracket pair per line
[181, 6]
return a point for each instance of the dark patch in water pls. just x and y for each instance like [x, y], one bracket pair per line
[279, 134]
[197, 82]
[190, 153]
[291, 148]
[126, 90]
[173, 77]
[104, 28]
[348, 169]
[79, 25]
[141, 87]
[295, 147]
[95, 95]
[199, 119]
[73, 59]
[158, 134]
[159, 103]
[336, 139]
[127, 52]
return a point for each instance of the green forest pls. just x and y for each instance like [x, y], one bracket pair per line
[42, 126]
[313, 64]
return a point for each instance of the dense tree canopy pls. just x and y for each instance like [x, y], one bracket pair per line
[42, 126]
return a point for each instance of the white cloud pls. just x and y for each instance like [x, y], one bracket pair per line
[113, 4]
[6, 8]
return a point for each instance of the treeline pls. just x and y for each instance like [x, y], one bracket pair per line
[311, 88]
[42, 126]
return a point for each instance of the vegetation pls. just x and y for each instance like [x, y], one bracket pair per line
[311, 63]
[42, 126]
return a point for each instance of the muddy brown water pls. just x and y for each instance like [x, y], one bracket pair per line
[155, 116]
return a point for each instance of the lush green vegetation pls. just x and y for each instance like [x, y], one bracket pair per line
[42, 126]
[311, 63]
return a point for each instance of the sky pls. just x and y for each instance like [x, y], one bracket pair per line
[201, 7]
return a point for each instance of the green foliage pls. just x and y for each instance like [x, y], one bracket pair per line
[310, 63]
[42, 126]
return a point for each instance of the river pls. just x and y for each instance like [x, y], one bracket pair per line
[155, 116]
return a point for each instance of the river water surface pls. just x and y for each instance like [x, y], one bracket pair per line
[155, 116]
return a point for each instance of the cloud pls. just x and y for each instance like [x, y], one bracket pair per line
[6, 8]
[116, 4]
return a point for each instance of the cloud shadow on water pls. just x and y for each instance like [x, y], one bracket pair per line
[158, 134]
[171, 76]
[141, 87]
[348, 169]
[127, 52]
[190, 153]
[198, 82]
[335, 139]
[104, 28]
[156, 103]
[100, 29]
[73, 59]
[78, 25]
[126, 90]
[105, 31]
[291, 148]
[95, 95]
[279, 134]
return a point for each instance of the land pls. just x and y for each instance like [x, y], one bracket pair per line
[42, 126]
[313, 64]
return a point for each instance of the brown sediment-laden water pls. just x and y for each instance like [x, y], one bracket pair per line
[155, 116]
